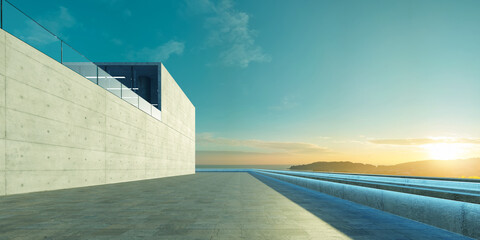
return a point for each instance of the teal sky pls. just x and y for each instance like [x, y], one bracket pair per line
[334, 76]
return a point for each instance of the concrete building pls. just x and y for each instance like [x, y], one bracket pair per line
[58, 130]
[70, 123]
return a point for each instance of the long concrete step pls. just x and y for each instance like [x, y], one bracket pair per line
[449, 204]
[465, 191]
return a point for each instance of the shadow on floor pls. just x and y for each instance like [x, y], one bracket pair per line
[355, 220]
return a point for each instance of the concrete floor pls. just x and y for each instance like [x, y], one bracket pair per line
[201, 206]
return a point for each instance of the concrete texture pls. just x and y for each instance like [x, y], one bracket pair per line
[2, 113]
[456, 216]
[201, 206]
[59, 130]
[454, 184]
[176, 108]
[458, 190]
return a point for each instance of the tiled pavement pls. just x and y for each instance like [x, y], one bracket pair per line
[201, 206]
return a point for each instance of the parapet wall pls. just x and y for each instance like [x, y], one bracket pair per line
[59, 130]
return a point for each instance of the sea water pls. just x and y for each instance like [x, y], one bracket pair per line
[272, 167]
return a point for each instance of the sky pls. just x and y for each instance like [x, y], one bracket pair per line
[296, 81]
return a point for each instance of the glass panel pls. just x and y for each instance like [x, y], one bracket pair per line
[144, 106]
[27, 30]
[78, 63]
[110, 83]
[156, 113]
[121, 73]
[129, 96]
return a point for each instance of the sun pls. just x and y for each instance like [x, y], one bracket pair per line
[445, 151]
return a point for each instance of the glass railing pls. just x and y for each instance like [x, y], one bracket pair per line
[25, 28]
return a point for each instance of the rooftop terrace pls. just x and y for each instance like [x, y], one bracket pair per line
[206, 205]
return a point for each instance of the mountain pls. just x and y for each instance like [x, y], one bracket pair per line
[429, 168]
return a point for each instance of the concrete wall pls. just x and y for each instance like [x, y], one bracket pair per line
[178, 114]
[59, 130]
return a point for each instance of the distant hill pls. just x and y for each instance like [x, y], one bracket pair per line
[428, 168]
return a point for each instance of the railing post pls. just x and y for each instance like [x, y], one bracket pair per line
[1, 14]
[61, 50]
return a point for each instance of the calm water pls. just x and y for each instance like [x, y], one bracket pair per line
[273, 167]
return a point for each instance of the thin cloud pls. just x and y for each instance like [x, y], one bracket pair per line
[117, 41]
[424, 141]
[160, 53]
[56, 22]
[287, 102]
[199, 6]
[62, 19]
[206, 139]
[229, 30]
[127, 13]
[112, 2]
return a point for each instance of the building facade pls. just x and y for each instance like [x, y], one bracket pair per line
[58, 130]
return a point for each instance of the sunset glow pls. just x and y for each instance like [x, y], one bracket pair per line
[445, 151]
